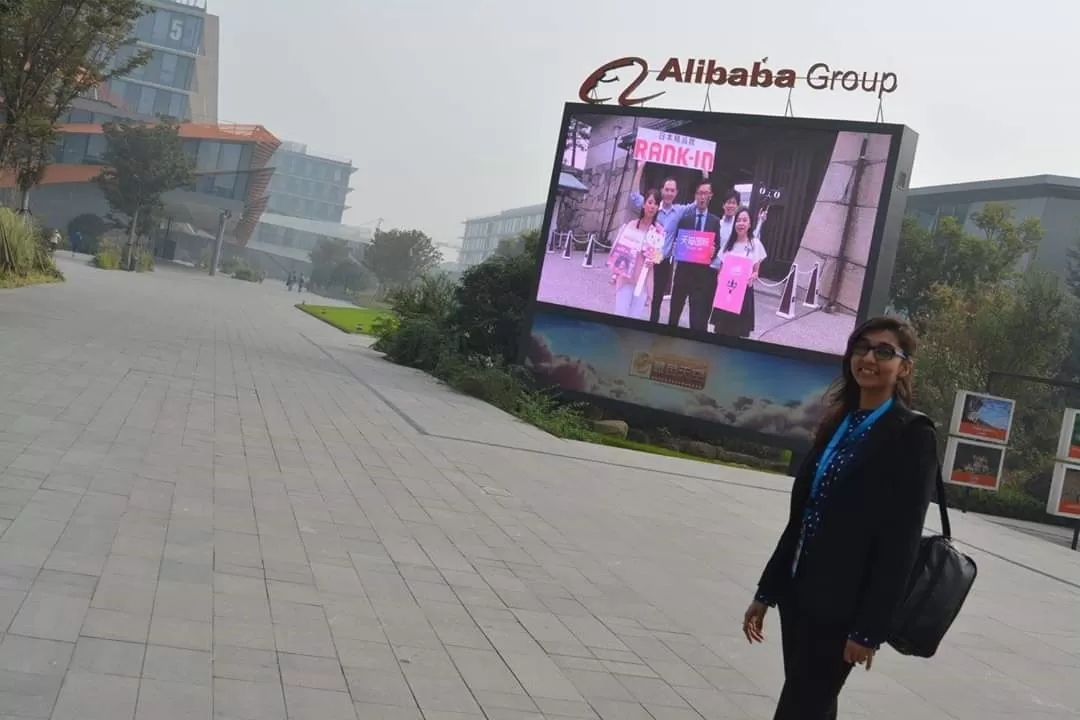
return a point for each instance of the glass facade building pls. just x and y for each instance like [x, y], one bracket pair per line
[180, 80]
[309, 185]
[482, 234]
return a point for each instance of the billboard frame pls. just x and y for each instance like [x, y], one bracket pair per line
[873, 299]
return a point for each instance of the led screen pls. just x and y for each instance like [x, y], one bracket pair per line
[723, 225]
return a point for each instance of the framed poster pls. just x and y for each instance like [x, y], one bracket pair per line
[1069, 440]
[1065, 491]
[982, 417]
[973, 464]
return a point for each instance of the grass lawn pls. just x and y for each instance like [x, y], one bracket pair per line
[354, 320]
[10, 280]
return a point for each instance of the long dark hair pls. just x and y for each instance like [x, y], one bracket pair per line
[843, 397]
[734, 219]
[655, 195]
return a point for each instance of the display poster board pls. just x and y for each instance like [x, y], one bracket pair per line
[973, 464]
[982, 417]
[1069, 440]
[1064, 499]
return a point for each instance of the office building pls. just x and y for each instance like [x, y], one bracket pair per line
[1053, 199]
[482, 234]
[181, 79]
[306, 203]
[232, 162]
[309, 185]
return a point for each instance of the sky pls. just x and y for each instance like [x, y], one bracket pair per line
[450, 108]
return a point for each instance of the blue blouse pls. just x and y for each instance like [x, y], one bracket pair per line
[846, 450]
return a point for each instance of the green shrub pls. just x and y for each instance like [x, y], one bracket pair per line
[249, 274]
[107, 256]
[145, 262]
[430, 297]
[545, 411]
[19, 244]
[231, 264]
[490, 304]
[384, 327]
[417, 342]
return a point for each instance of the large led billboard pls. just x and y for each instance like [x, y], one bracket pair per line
[757, 228]
[712, 266]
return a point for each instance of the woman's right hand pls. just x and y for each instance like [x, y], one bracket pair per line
[754, 622]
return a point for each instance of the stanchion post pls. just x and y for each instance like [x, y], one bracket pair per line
[787, 296]
[551, 241]
[811, 298]
[568, 249]
[587, 262]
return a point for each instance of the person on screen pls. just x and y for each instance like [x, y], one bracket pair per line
[636, 249]
[856, 515]
[668, 215]
[742, 241]
[732, 202]
[692, 282]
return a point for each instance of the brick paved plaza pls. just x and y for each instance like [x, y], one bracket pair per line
[212, 505]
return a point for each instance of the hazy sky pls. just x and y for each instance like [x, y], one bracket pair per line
[450, 108]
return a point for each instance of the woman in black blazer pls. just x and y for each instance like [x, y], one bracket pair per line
[856, 517]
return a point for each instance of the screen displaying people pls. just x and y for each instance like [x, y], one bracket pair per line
[746, 231]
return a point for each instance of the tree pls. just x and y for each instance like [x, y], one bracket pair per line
[51, 52]
[142, 163]
[491, 299]
[578, 136]
[350, 275]
[400, 257]
[325, 257]
[950, 256]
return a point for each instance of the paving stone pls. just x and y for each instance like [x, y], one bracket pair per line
[241, 700]
[191, 667]
[311, 672]
[161, 700]
[28, 695]
[174, 632]
[91, 696]
[108, 657]
[35, 656]
[312, 704]
[49, 616]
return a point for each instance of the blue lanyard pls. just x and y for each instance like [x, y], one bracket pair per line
[841, 432]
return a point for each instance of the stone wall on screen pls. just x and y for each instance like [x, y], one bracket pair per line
[823, 240]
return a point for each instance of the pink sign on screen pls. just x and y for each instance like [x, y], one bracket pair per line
[732, 282]
[695, 246]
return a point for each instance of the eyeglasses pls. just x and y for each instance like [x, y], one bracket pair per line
[883, 352]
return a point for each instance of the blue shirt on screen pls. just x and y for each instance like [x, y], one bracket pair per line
[667, 217]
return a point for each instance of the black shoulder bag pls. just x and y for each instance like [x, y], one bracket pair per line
[940, 581]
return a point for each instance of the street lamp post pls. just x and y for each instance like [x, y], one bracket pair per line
[219, 241]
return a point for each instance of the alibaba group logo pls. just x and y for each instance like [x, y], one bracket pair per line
[590, 87]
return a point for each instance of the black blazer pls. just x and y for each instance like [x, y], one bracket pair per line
[857, 568]
[712, 224]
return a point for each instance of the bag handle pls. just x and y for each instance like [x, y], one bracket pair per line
[942, 501]
[943, 506]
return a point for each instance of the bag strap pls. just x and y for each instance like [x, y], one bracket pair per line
[942, 500]
[943, 506]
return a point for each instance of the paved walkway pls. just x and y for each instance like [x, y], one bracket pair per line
[212, 505]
